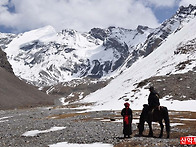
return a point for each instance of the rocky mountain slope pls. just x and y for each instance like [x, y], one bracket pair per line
[4, 63]
[15, 93]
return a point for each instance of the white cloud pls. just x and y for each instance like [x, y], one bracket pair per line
[3, 2]
[187, 2]
[2, 8]
[81, 15]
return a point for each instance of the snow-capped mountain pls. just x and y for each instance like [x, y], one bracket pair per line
[175, 57]
[5, 39]
[44, 57]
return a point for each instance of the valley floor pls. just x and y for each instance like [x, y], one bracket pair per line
[41, 127]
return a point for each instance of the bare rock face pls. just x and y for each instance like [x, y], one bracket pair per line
[4, 63]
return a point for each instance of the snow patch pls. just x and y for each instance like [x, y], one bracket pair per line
[5, 119]
[65, 144]
[36, 132]
[176, 124]
[186, 119]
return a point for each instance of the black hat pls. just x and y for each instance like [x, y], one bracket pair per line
[151, 88]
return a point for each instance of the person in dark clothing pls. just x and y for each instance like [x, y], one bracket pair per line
[127, 120]
[153, 99]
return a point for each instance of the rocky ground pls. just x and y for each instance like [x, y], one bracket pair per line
[83, 127]
[179, 86]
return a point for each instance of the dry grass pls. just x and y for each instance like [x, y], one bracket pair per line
[74, 105]
[62, 116]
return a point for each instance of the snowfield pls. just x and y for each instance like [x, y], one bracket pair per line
[160, 62]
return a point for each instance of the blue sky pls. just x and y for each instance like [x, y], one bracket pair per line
[17, 16]
[164, 13]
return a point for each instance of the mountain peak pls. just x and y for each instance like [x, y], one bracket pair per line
[190, 10]
[98, 33]
[46, 30]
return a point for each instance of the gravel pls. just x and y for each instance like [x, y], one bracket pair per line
[81, 129]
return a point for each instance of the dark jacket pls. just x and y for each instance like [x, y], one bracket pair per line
[153, 99]
[127, 121]
[128, 112]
